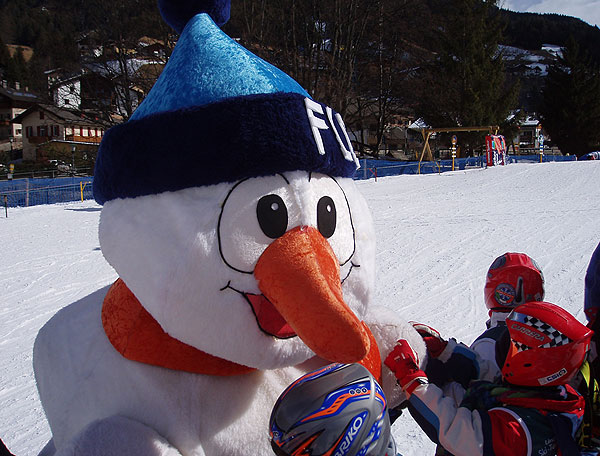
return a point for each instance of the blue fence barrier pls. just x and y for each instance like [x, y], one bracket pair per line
[31, 192]
[371, 168]
[535, 158]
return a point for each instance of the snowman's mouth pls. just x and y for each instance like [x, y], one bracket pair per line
[268, 317]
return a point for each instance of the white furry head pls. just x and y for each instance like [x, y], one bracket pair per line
[188, 256]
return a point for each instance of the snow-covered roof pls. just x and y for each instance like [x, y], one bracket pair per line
[530, 122]
[418, 124]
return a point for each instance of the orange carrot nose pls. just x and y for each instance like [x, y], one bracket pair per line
[300, 275]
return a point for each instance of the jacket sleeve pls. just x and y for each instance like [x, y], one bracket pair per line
[461, 364]
[486, 350]
[465, 432]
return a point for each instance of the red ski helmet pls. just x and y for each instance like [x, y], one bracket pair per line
[513, 279]
[547, 345]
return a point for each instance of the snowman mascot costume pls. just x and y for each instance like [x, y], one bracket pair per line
[245, 257]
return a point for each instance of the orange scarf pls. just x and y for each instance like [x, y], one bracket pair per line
[137, 336]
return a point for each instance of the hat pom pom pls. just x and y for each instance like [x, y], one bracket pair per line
[177, 13]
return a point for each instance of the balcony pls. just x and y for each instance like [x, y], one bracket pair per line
[84, 139]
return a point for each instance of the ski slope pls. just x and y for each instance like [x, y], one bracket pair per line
[436, 237]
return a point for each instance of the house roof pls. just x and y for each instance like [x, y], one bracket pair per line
[530, 122]
[65, 115]
[59, 79]
[18, 95]
[148, 41]
[108, 70]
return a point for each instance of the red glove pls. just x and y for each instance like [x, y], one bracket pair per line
[434, 342]
[404, 363]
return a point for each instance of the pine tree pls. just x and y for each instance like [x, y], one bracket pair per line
[4, 54]
[16, 69]
[465, 84]
[571, 102]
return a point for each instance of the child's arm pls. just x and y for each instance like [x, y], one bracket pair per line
[448, 360]
[458, 429]
[459, 363]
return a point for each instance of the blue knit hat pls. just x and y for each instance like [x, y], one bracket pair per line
[217, 113]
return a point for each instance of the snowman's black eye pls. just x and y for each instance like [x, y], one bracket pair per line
[272, 216]
[326, 216]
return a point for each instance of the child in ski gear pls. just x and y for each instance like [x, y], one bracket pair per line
[512, 279]
[531, 410]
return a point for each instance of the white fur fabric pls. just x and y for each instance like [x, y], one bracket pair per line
[182, 256]
[387, 328]
[117, 435]
[82, 379]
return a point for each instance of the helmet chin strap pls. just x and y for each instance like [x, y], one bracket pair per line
[496, 310]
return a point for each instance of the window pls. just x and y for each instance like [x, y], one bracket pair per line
[28, 132]
[55, 130]
[41, 115]
[42, 130]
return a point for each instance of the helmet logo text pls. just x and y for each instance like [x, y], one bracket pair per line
[551, 378]
[350, 435]
[527, 331]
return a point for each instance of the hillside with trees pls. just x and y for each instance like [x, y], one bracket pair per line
[53, 29]
[378, 62]
[532, 30]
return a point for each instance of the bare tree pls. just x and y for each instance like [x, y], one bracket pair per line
[316, 42]
[118, 70]
[384, 82]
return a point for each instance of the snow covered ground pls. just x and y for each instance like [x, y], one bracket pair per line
[436, 234]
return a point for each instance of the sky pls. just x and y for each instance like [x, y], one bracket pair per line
[436, 236]
[586, 10]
